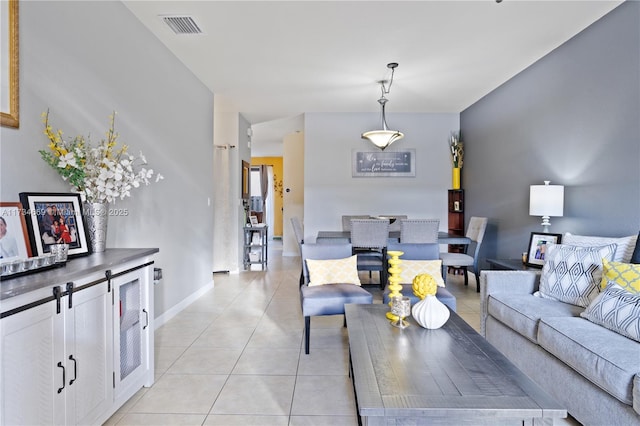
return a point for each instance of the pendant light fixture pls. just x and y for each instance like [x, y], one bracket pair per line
[385, 137]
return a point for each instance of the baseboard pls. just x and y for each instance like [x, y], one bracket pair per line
[176, 309]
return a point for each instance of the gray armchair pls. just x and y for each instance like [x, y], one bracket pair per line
[475, 232]
[414, 251]
[327, 299]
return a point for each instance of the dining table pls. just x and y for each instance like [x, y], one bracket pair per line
[328, 237]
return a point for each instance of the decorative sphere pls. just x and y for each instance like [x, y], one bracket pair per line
[424, 285]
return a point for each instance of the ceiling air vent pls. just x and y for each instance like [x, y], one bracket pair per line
[182, 24]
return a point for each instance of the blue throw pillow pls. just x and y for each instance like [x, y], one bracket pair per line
[635, 257]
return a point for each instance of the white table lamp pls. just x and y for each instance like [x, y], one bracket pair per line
[546, 201]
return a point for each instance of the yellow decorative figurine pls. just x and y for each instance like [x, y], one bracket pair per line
[394, 279]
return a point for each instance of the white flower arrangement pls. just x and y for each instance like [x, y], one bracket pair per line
[456, 149]
[102, 173]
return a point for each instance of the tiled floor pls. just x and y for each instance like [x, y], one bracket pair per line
[236, 356]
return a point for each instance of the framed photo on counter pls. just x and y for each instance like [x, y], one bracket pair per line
[538, 243]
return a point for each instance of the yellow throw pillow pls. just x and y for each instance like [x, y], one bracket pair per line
[333, 271]
[411, 268]
[626, 275]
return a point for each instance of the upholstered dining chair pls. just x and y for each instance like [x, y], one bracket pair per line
[327, 299]
[420, 231]
[475, 232]
[346, 220]
[419, 252]
[369, 238]
[299, 233]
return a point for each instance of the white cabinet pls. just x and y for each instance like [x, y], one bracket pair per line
[76, 356]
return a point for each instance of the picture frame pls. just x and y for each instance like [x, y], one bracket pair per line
[253, 220]
[55, 218]
[387, 163]
[9, 102]
[246, 174]
[17, 244]
[537, 247]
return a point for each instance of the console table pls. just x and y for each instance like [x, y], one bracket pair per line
[510, 265]
[448, 376]
[77, 340]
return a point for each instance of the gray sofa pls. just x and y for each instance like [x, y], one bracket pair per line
[592, 371]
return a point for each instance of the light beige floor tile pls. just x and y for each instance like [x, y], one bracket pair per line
[328, 337]
[175, 336]
[206, 360]
[165, 356]
[173, 393]
[273, 335]
[255, 395]
[223, 336]
[136, 419]
[323, 395]
[323, 421]
[268, 361]
[324, 361]
[243, 420]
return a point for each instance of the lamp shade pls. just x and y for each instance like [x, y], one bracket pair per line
[546, 200]
[382, 138]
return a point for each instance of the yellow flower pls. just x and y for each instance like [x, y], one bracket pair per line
[424, 285]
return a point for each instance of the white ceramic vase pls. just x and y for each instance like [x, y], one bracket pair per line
[430, 312]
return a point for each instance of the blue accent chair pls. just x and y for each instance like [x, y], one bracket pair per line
[328, 299]
[415, 251]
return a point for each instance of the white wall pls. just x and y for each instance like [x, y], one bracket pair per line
[293, 202]
[330, 190]
[82, 60]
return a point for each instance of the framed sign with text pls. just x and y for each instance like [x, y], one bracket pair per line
[383, 163]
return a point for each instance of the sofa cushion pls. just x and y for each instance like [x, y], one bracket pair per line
[572, 274]
[626, 275]
[616, 309]
[521, 312]
[605, 358]
[624, 249]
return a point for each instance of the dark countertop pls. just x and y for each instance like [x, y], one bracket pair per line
[74, 269]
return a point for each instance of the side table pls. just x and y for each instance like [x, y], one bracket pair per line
[510, 265]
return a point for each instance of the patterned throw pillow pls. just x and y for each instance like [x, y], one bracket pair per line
[333, 271]
[626, 275]
[616, 309]
[624, 250]
[411, 268]
[572, 274]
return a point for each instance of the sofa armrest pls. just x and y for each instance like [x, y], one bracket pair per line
[515, 282]
[636, 393]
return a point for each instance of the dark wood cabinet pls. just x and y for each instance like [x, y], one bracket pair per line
[456, 216]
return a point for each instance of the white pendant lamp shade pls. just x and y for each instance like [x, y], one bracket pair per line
[384, 137]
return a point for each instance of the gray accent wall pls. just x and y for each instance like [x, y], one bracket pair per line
[572, 118]
[82, 60]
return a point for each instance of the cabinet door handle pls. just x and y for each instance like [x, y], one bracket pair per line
[147, 314]
[64, 377]
[75, 370]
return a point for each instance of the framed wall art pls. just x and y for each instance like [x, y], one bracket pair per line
[9, 72]
[383, 163]
[54, 218]
[538, 243]
[14, 237]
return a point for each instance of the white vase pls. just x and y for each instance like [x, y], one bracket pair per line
[95, 215]
[430, 312]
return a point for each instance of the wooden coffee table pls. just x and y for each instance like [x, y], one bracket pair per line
[448, 376]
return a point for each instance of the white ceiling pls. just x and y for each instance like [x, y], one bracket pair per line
[275, 60]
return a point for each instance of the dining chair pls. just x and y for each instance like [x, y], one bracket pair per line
[299, 233]
[346, 220]
[327, 299]
[369, 238]
[394, 221]
[475, 232]
[419, 230]
[418, 251]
